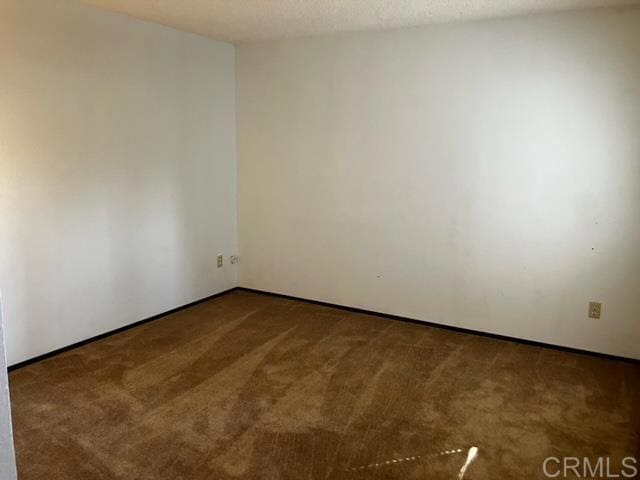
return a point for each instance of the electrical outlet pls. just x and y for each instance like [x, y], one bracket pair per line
[234, 259]
[595, 309]
[220, 261]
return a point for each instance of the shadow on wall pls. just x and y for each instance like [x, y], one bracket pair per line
[7, 455]
[117, 171]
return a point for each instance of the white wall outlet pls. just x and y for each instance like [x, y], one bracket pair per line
[220, 261]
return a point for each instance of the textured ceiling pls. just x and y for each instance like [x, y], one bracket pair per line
[247, 20]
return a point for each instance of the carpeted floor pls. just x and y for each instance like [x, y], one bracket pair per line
[257, 387]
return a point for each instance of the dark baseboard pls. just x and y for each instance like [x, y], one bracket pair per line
[324, 304]
[113, 332]
[447, 327]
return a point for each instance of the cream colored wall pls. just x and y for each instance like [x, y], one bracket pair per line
[117, 171]
[483, 175]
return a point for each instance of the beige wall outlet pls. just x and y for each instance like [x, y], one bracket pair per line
[595, 309]
[220, 261]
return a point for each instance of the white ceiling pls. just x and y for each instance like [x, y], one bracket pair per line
[248, 20]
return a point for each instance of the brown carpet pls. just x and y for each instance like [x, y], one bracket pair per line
[257, 387]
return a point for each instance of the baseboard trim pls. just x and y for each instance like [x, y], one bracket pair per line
[124, 328]
[446, 327]
[388, 316]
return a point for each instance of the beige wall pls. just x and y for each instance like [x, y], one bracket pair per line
[485, 175]
[117, 171]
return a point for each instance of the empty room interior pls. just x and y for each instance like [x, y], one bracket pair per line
[332, 239]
